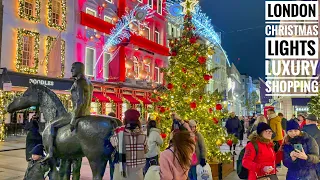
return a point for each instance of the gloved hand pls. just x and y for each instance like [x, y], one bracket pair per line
[203, 162]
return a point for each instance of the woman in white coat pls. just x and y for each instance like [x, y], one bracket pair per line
[154, 143]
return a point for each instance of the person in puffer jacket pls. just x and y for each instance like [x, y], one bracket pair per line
[154, 143]
[300, 164]
[261, 164]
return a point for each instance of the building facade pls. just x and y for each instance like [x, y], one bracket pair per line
[236, 95]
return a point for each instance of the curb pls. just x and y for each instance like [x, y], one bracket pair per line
[12, 149]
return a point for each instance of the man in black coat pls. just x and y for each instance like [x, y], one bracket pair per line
[33, 137]
[233, 126]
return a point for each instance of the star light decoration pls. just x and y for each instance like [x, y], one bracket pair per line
[189, 5]
[122, 29]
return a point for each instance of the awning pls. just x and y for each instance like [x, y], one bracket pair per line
[131, 99]
[100, 97]
[144, 100]
[114, 98]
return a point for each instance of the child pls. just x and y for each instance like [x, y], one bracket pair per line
[36, 168]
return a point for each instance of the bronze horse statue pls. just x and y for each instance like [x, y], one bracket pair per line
[90, 139]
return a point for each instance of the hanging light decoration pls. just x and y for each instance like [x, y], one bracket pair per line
[146, 60]
[143, 74]
[129, 64]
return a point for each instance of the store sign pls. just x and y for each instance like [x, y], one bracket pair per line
[42, 82]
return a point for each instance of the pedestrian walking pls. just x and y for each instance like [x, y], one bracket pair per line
[302, 120]
[301, 153]
[275, 124]
[37, 169]
[33, 137]
[131, 145]
[260, 119]
[283, 123]
[312, 129]
[200, 149]
[259, 157]
[241, 131]
[154, 143]
[175, 161]
[233, 126]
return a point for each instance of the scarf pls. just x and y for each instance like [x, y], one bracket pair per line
[271, 116]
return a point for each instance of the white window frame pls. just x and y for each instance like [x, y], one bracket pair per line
[149, 35]
[151, 5]
[93, 63]
[158, 74]
[169, 29]
[28, 62]
[178, 32]
[159, 11]
[106, 66]
[95, 15]
[157, 34]
[108, 17]
[59, 13]
[136, 65]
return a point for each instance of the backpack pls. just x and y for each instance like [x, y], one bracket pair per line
[242, 171]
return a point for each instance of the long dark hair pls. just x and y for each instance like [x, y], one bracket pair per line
[151, 124]
[183, 146]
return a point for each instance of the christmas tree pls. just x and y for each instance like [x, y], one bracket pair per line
[314, 105]
[187, 76]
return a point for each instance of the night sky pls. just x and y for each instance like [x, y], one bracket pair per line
[231, 17]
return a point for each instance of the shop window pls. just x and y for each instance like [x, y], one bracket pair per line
[27, 51]
[94, 108]
[159, 7]
[106, 59]
[157, 36]
[90, 61]
[108, 108]
[108, 19]
[124, 109]
[157, 74]
[29, 7]
[56, 12]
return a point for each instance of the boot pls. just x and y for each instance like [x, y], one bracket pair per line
[50, 145]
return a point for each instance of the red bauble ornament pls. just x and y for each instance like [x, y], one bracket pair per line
[184, 86]
[163, 135]
[193, 85]
[218, 107]
[162, 109]
[193, 105]
[202, 59]
[215, 120]
[229, 142]
[170, 86]
[193, 40]
[200, 97]
[173, 53]
[210, 110]
[207, 77]
[184, 70]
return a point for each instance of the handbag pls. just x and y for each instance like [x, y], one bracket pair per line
[204, 173]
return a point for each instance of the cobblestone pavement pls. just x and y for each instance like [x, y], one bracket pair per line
[13, 163]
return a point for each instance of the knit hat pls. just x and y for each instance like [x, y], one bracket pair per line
[312, 117]
[262, 127]
[38, 150]
[292, 124]
[192, 123]
[132, 115]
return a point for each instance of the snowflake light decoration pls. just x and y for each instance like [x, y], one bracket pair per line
[174, 11]
[122, 29]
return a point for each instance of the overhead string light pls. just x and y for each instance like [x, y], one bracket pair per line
[122, 30]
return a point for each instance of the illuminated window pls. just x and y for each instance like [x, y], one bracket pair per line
[27, 51]
[159, 7]
[108, 108]
[147, 68]
[56, 11]
[136, 66]
[157, 36]
[150, 3]
[90, 61]
[157, 74]
[28, 7]
[94, 108]
[146, 33]
[108, 19]
[106, 59]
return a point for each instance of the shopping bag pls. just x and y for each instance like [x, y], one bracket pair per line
[204, 173]
[153, 173]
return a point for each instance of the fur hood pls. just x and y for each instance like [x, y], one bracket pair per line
[301, 139]
[254, 137]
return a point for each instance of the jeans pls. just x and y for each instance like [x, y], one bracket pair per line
[149, 162]
[193, 173]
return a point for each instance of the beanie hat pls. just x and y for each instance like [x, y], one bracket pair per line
[192, 123]
[132, 115]
[38, 150]
[262, 127]
[292, 124]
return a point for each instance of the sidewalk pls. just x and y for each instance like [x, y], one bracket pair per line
[13, 143]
